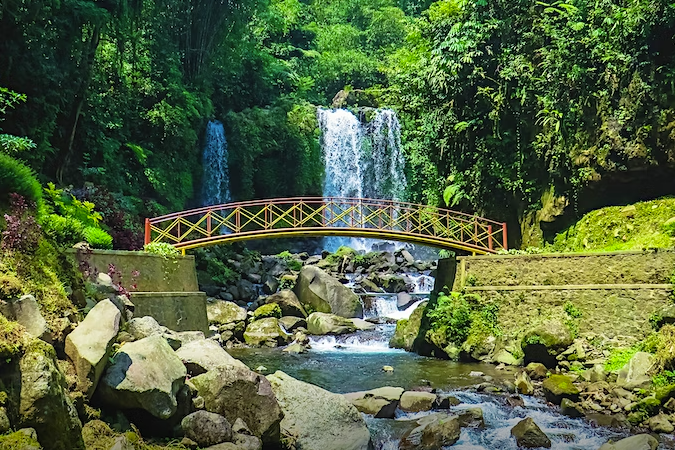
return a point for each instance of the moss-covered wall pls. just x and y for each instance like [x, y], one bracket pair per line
[647, 267]
[613, 296]
[155, 273]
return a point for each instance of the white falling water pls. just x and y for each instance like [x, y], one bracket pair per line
[216, 183]
[361, 160]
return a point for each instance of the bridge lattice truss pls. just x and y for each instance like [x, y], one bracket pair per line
[329, 216]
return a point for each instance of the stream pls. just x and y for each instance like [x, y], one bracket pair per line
[350, 363]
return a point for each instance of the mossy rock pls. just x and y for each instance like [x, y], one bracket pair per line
[558, 387]
[20, 440]
[408, 329]
[644, 409]
[664, 393]
[12, 338]
[269, 310]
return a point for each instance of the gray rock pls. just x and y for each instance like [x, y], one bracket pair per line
[26, 311]
[637, 442]
[88, 346]
[223, 312]
[295, 348]
[571, 409]
[472, 418]
[380, 403]
[290, 323]
[246, 290]
[404, 301]
[323, 323]
[434, 432]
[660, 424]
[558, 387]
[236, 392]
[288, 302]
[142, 327]
[240, 442]
[362, 325]
[44, 402]
[536, 371]
[544, 342]
[325, 294]
[412, 401]
[266, 332]
[524, 384]
[145, 374]
[529, 435]
[206, 428]
[635, 374]
[318, 419]
[201, 356]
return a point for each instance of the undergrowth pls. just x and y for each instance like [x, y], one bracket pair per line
[621, 228]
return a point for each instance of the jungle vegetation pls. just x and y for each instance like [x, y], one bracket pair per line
[500, 101]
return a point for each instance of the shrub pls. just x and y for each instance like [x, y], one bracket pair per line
[162, 249]
[64, 231]
[98, 238]
[452, 316]
[22, 233]
[19, 178]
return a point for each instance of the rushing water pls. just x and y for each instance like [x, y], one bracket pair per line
[216, 183]
[350, 363]
[362, 159]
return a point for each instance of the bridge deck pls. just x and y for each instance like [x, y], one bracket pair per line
[331, 216]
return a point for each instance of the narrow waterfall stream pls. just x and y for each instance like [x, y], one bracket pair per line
[216, 182]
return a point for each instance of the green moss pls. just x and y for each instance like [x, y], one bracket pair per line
[10, 286]
[18, 440]
[270, 310]
[617, 228]
[619, 357]
[12, 338]
[644, 409]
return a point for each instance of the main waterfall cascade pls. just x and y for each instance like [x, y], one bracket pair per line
[363, 159]
[216, 183]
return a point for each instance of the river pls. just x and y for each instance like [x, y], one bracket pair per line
[354, 362]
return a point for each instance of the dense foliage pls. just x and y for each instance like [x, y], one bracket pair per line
[499, 100]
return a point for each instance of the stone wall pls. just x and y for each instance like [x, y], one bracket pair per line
[615, 293]
[166, 288]
[155, 273]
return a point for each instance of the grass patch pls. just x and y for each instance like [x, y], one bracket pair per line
[619, 357]
[621, 228]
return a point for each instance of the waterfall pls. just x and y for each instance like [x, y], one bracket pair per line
[362, 159]
[216, 182]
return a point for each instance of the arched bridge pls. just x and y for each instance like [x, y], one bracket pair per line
[327, 216]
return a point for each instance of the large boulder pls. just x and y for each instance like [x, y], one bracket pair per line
[318, 419]
[206, 428]
[637, 442]
[222, 312]
[635, 374]
[266, 332]
[408, 329]
[558, 387]
[89, 344]
[288, 302]
[142, 327]
[545, 341]
[529, 435]
[236, 392]
[323, 323]
[201, 356]
[434, 432]
[381, 402]
[26, 311]
[325, 294]
[416, 401]
[144, 374]
[291, 323]
[44, 404]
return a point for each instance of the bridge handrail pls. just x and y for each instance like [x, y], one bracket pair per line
[292, 200]
[346, 216]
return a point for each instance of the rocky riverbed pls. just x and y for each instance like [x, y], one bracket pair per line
[307, 365]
